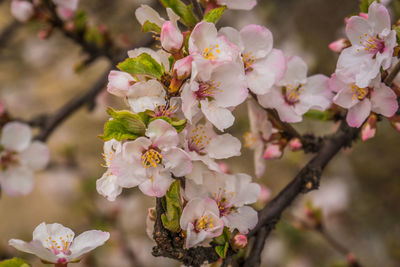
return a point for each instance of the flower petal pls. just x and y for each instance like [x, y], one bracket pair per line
[384, 100]
[87, 241]
[223, 147]
[358, 113]
[257, 40]
[16, 181]
[34, 247]
[162, 134]
[16, 136]
[36, 156]
[221, 118]
[244, 219]
[177, 160]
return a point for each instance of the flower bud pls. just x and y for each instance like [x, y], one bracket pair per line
[338, 45]
[183, 67]
[119, 83]
[22, 10]
[265, 194]
[239, 241]
[224, 167]
[295, 144]
[368, 130]
[171, 37]
[273, 151]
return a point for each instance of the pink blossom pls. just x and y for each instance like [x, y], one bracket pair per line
[171, 37]
[183, 67]
[200, 219]
[22, 10]
[295, 144]
[273, 151]
[361, 101]
[338, 45]
[295, 94]
[238, 4]
[372, 47]
[119, 83]
[239, 241]
[264, 66]
[368, 130]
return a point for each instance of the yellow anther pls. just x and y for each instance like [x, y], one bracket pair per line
[151, 158]
[358, 93]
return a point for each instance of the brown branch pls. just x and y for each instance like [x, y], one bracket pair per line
[389, 79]
[8, 32]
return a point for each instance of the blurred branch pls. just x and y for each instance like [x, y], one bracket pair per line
[48, 123]
[389, 79]
[8, 32]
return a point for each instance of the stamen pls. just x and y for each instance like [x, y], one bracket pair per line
[151, 158]
[358, 93]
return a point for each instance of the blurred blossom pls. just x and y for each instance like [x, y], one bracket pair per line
[50, 184]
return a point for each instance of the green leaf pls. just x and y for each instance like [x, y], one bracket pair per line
[179, 125]
[221, 250]
[223, 238]
[143, 64]
[150, 27]
[14, 262]
[173, 213]
[214, 15]
[319, 115]
[183, 11]
[94, 36]
[365, 5]
[124, 125]
[80, 20]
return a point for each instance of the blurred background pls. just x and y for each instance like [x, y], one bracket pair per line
[359, 194]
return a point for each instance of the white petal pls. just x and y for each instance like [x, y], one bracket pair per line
[157, 184]
[384, 100]
[189, 102]
[34, 247]
[144, 12]
[129, 174]
[221, 118]
[36, 156]
[238, 4]
[16, 181]
[54, 230]
[162, 134]
[296, 71]
[379, 17]
[16, 136]
[108, 187]
[357, 27]
[87, 241]
[243, 220]
[224, 146]
[257, 40]
[357, 114]
[233, 36]
[178, 161]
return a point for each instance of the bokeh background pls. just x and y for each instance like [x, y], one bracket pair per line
[359, 193]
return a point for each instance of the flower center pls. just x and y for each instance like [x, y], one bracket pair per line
[207, 89]
[248, 60]
[165, 110]
[204, 223]
[224, 205]
[59, 246]
[292, 93]
[151, 158]
[198, 139]
[358, 93]
[373, 45]
[210, 52]
[8, 158]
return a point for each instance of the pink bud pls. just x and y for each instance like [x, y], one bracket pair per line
[224, 168]
[119, 83]
[363, 15]
[273, 151]
[44, 34]
[295, 144]
[22, 10]
[265, 194]
[338, 45]
[368, 130]
[183, 67]
[239, 241]
[171, 37]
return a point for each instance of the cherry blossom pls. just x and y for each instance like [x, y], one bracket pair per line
[372, 46]
[146, 13]
[215, 97]
[200, 219]
[233, 4]
[202, 143]
[295, 94]
[232, 193]
[146, 95]
[148, 161]
[209, 49]
[264, 66]
[22, 10]
[171, 37]
[107, 185]
[19, 158]
[260, 132]
[361, 101]
[119, 83]
[66, 8]
[56, 244]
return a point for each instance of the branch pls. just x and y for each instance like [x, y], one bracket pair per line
[7, 32]
[389, 79]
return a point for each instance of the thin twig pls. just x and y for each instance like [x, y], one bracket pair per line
[389, 79]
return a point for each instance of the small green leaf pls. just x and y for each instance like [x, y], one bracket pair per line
[183, 11]
[80, 20]
[173, 208]
[94, 36]
[14, 262]
[319, 115]
[365, 5]
[222, 250]
[124, 125]
[150, 27]
[214, 15]
[143, 64]
[179, 125]
[223, 238]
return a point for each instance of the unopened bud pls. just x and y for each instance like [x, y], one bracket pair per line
[239, 241]
[119, 83]
[338, 45]
[265, 194]
[152, 213]
[295, 144]
[273, 151]
[183, 67]
[368, 130]
[171, 37]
